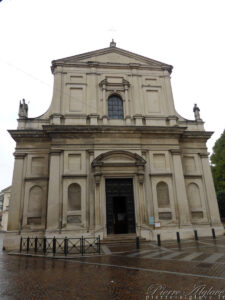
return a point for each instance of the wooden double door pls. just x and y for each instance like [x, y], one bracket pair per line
[120, 212]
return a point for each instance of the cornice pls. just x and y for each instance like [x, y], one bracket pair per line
[27, 134]
[110, 66]
[205, 135]
[94, 129]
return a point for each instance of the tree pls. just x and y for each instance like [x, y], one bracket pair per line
[218, 172]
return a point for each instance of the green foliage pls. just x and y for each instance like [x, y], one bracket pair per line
[218, 171]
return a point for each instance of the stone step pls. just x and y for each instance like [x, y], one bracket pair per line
[122, 239]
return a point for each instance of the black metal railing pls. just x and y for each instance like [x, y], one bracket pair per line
[61, 246]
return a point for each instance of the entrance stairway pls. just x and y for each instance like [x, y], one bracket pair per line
[121, 239]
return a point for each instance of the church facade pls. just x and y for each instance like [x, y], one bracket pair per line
[111, 156]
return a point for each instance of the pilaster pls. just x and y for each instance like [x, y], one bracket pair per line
[181, 194]
[56, 109]
[97, 199]
[16, 200]
[53, 206]
[91, 200]
[210, 190]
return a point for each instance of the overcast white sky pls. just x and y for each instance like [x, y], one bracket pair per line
[189, 34]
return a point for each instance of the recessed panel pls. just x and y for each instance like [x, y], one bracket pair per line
[76, 99]
[153, 101]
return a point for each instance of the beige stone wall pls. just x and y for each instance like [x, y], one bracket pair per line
[6, 203]
[74, 147]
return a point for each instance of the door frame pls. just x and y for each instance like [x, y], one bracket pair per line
[132, 178]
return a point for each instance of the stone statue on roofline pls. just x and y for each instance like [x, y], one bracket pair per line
[23, 109]
[196, 111]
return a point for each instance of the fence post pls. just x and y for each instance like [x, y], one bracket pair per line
[82, 245]
[178, 237]
[21, 244]
[65, 246]
[158, 239]
[44, 245]
[213, 233]
[35, 244]
[28, 244]
[99, 245]
[54, 245]
[137, 242]
[196, 235]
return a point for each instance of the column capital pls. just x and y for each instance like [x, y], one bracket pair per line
[18, 155]
[204, 154]
[90, 152]
[56, 152]
[175, 151]
[144, 152]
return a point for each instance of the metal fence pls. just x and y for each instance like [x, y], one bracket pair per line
[62, 246]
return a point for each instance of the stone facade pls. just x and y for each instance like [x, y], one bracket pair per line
[6, 194]
[112, 116]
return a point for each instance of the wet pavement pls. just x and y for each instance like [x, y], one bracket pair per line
[193, 270]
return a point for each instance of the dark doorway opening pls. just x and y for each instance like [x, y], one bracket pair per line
[120, 206]
[120, 215]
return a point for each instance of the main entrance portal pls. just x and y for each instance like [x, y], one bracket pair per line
[120, 206]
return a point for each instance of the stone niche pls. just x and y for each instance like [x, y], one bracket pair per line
[194, 199]
[35, 205]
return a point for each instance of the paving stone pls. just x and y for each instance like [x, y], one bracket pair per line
[115, 276]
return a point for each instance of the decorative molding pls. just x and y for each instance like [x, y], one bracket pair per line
[36, 178]
[167, 174]
[74, 175]
[151, 86]
[76, 84]
[192, 175]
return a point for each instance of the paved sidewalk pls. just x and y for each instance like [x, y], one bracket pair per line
[193, 270]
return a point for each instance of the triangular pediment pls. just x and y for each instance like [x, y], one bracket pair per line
[111, 55]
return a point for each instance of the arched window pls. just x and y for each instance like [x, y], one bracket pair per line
[115, 107]
[74, 197]
[163, 195]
